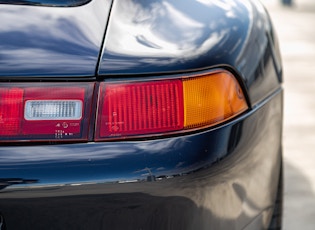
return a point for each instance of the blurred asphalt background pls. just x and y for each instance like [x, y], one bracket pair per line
[296, 31]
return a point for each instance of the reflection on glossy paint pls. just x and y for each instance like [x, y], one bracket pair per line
[5, 182]
[41, 41]
[113, 161]
[46, 3]
[166, 32]
[32, 155]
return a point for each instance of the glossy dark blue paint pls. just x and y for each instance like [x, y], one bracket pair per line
[46, 2]
[51, 41]
[221, 178]
[113, 161]
[171, 36]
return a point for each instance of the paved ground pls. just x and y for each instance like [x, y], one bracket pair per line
[296, 31]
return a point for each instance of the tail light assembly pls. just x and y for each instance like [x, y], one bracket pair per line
[63, 111]
[167, 106]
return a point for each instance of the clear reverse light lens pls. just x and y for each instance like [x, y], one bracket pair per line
[53, 110]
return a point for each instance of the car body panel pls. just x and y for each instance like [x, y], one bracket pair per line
[220, 177]
[54, 42]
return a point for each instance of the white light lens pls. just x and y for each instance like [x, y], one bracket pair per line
[53, 110]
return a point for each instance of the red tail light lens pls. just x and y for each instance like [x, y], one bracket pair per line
[140, 108]
[10, 110]
[39, 112]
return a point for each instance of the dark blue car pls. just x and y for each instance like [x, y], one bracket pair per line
[139, 114]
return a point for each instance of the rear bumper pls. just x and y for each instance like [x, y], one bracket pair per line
[224, 178]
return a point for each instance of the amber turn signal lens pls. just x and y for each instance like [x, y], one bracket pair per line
[211, 98]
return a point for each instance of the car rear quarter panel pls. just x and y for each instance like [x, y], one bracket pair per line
[151, 37]
[220, 178]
